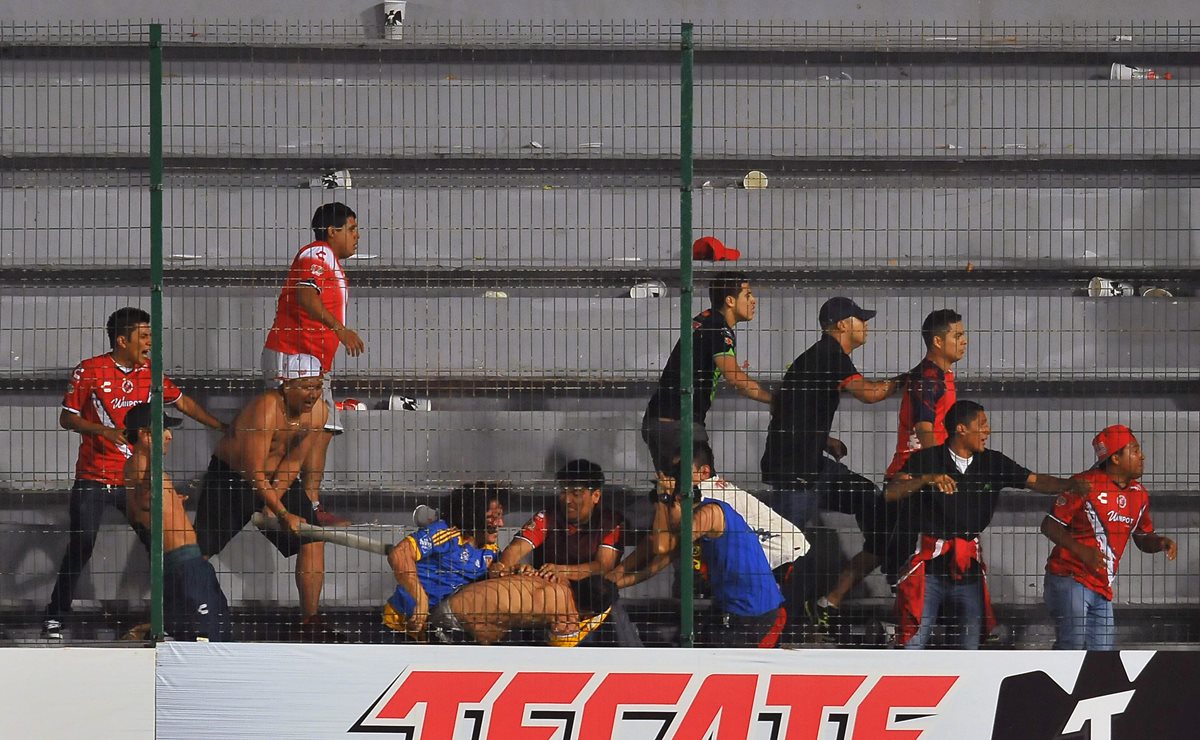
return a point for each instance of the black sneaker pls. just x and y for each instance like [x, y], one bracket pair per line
[821, 619]
[52, 630]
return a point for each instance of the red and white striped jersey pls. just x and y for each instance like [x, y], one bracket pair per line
[294, 331]
[1105, 519]
[102, 391]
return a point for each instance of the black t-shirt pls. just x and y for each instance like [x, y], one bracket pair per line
[802, 412]
[711, 337]
[969, 510]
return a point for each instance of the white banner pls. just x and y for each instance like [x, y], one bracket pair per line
[498, 693]
[69, 692]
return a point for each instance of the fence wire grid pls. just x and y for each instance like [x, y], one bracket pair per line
[515, 274]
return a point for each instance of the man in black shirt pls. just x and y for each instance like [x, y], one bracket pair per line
[801, 460]
[714, 355]
[950, 493]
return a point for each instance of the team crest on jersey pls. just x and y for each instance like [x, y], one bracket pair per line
[728, 342]
[1121, 501]
[1060, 501]
[317, 270]
[127, 386]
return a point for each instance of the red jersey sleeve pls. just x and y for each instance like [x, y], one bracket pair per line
[612, 538]
[312, 272]
[78, 390]
[534, 531]
[1066, 506]
[171, 392]
[1144, 525]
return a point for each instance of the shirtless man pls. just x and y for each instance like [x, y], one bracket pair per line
[260, 464]
[194, 607]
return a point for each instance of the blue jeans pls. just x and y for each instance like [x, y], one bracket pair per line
[86, 509]
[836, 488]
[1083, 619]
[967, 598]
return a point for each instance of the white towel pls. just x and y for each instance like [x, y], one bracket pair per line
[782, 542]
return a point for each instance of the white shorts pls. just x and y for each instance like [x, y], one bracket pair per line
[272, 365]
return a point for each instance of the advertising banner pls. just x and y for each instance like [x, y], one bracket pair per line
[519, 693]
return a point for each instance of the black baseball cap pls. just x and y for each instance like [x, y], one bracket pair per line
[141, 417]
[836, 309]
[581, 473]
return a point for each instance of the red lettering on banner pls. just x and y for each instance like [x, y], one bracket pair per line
[508, 712]
[807, 696]
[599, 713]
[730, 694]
[441, 692]
[925, 692]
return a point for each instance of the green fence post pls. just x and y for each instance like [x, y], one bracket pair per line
[687, 632]
[156, 361]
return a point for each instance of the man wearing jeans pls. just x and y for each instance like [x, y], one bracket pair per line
[802, 461]
[102, 391]
[952, 491]
[1090, 532]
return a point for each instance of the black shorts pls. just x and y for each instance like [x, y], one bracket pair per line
[193, 603]
[227, 501]
[721, 629]
[662, 437]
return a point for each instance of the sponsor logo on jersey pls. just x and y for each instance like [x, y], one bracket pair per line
[1114, 516]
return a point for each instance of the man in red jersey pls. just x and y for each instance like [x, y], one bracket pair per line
[102, 390]
[1090, 532]
[928, 394]
[310, 320]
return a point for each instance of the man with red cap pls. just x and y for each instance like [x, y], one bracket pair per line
[1090, 532]
[714, 356]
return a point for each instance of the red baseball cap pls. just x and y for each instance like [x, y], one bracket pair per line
[1111, 440]
[711, 248]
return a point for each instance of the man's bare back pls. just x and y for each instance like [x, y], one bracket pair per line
[177, 528]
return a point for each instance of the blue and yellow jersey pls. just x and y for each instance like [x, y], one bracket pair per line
[445, 561]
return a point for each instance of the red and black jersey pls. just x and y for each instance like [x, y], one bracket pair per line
[102, 391]
[555, 540]
[1104, 518]
[928, 394]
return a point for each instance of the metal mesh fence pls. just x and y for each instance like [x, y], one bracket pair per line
[516, 284]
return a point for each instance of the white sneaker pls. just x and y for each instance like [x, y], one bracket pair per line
[52, 630]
